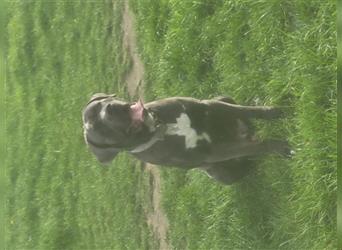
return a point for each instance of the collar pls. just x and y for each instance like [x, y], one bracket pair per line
[157, 136]
[102, 145]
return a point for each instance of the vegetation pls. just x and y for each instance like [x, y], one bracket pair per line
[58, 197]
[259, 52]
[273, 52]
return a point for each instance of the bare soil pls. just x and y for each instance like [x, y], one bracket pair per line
[134, 81]
[135, 76]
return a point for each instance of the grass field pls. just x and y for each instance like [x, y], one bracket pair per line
[267, 52]
[274, 52]
[339, 122]
[58, 197]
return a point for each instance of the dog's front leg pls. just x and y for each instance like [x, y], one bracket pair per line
[224, 152]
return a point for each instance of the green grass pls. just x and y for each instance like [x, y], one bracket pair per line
[273, 52]
[339, 122]
[58, 197]
[267, 52]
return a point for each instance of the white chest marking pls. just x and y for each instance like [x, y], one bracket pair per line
[183, 128]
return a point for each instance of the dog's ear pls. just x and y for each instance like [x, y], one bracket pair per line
[103, 155]
[99, 96]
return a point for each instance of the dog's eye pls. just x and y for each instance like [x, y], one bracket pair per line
[117, 109]
[108, 108]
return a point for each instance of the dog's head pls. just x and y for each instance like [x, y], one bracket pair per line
[111, 125]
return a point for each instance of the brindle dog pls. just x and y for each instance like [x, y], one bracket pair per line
[215, 135]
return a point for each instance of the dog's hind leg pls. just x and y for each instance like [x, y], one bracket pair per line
[229, 172]
[224, 152]
[244, 112]
[248, 123]
[226, 99]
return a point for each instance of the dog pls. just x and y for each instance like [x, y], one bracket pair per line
[214, 135]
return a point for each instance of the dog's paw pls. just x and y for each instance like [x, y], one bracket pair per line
[280, 147]
[275, 113]
[279, 112]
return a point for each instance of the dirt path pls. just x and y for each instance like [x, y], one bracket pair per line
[156, 219]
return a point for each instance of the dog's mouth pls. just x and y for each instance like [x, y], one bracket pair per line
[137, 113]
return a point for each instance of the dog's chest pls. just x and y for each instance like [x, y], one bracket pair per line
[183, 128]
